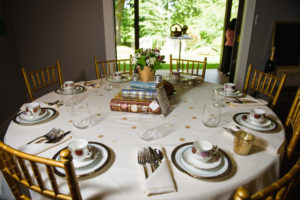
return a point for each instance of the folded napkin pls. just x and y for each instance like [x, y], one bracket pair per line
[248, 102]
[36, 149]
[160, 181]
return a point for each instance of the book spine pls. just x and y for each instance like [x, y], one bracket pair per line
[134, 106]
[138, 94]
[143, 85]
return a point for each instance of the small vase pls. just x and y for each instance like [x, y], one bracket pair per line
[146, 75]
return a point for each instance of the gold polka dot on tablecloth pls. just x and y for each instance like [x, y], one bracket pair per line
[98, 114]
[187, 126]
[124, 118]
[70, 121]
[194, 117]
[191, 107]
[133, 127]
[100, 136]
[100, 95]
[185, 101]
[114, 141]
[181, 139]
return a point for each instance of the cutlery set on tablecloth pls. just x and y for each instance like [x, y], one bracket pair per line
[53, 136]
[149, 156]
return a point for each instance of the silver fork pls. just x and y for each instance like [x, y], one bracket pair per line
[47, 135]
[56, 134]
[150, 159]
[142, 161]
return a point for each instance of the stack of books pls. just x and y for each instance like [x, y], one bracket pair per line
[139, 99]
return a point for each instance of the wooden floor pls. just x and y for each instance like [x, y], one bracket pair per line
[214, 76]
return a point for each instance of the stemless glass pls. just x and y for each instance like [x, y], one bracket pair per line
[81, 115]
[211, 116]
[217, 100]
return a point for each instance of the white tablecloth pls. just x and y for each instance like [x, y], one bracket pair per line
[119, 131]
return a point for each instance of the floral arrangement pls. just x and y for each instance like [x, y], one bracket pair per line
[148, 57]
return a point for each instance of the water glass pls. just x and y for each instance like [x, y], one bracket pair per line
[217, 100]
[211, 116]
[66, 96]
[81, 115]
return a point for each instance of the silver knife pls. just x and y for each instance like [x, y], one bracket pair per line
[58, 139]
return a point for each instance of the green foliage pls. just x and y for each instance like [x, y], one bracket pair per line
[204, 18]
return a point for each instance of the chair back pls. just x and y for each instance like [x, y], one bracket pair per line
[266, 84]
[108, 67]
[293, 121]
[20, 168]
[42, 78]
[279, 190]
[189, 67]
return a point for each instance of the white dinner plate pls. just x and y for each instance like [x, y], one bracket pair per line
[125, 78]
[101, 159]
[189, 159]
[223, 169]
[243, 120]
[233, 94]
[24, 116]
[77, 90]
[50, 115]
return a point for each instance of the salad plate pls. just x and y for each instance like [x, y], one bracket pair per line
[49, 114]
[235, 94]
[125, 78]
[189, 158]
[243, 119]
[101, 157]
[77, 90]
[221, 170]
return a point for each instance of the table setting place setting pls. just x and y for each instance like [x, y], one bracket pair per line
[230, 96]
[154, 171]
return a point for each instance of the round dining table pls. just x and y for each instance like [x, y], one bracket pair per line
[121, 133]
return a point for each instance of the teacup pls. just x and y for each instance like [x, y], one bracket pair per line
[68, 85]
[257, 115]
[176, 75]
[204, 150]
[33, 109]
[80, 149]
[118, 75]
[229, 87]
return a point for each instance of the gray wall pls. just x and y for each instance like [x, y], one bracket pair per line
[41, 31]
[266, 12]
[256, 36]
[69, 30]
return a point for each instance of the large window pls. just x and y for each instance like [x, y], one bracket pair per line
[204, 18]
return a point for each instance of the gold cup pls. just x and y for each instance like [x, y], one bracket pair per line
[243, 142]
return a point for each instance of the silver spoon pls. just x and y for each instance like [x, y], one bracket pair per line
[159, 154]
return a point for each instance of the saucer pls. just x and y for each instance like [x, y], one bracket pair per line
[228, 94]
[30, 118]
[125, 78]
[101, 159]
[189, 158]
[243, 120]
[213, 173]
[77, 90]
[95, 153]
[50, 114]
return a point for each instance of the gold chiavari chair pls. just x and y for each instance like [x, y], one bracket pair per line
[42, 78]
[293, 121]
[189, 67]
[264, 83]
[279, 190]
[16, 170]
[108, 67]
